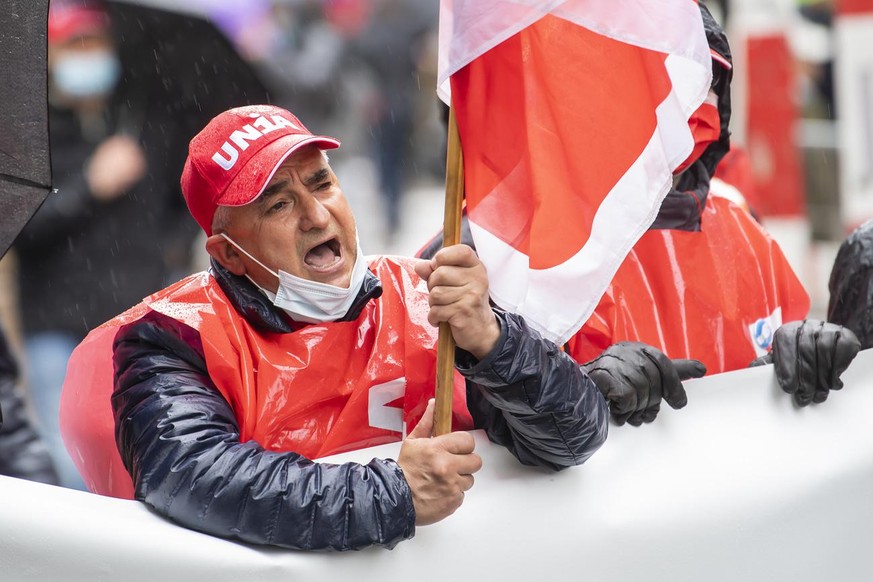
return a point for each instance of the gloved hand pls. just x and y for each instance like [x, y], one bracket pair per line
[809, 357]
[633, 377]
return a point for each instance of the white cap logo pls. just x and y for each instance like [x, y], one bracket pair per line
[239, 139]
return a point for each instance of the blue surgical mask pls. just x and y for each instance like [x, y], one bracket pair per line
[86, 74]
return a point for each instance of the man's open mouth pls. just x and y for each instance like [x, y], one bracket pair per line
[324, 255]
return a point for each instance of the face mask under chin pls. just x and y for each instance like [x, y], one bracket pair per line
[310, 301]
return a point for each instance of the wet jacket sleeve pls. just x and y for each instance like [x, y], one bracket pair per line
[23, 454]
[532, 398]
[180, 442]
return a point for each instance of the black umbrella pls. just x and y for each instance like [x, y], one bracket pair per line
[177, 59]
[25, 170]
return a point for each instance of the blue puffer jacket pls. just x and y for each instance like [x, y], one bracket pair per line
[180, 441]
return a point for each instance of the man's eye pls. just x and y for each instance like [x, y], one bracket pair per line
[324, 185]
[277, 206]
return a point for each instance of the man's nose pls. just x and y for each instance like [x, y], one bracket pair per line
[314, 215]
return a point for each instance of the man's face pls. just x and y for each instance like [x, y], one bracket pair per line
[301, 224]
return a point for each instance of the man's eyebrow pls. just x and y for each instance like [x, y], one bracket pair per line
[272, 190]
[317, 176]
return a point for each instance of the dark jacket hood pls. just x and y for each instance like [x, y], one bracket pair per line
[681, 209]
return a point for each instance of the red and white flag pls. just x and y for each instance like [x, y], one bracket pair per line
[573, 115]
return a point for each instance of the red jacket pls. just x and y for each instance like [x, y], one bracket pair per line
[715, 295]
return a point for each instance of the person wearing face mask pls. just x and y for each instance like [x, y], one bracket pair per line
[114, 230]
[212, 399]
[704, 290]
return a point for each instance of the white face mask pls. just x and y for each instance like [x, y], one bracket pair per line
[311, 301]
[86, 74]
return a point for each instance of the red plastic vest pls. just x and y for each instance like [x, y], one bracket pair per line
[319, 391]
[716, 295]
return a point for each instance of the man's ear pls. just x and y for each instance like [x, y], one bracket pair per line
[225, 253]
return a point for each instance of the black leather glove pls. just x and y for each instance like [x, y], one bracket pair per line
[809, 357]
[633, 377]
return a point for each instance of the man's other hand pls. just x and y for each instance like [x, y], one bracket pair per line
[438, 469]
[809, 356]
[633, 377]
[458, 285]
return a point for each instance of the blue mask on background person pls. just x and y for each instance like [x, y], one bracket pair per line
[86, 74]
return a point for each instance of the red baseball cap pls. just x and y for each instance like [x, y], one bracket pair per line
[232, 160]
[72, 18]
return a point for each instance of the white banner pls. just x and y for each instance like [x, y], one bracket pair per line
[741, 485]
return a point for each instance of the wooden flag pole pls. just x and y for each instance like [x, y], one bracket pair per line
[451, 236]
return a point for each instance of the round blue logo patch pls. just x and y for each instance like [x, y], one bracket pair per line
[763, 335]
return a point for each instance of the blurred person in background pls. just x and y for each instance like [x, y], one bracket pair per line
[813, 46]
[114, 230]
[299, 54]
[391, 46]
[23, 453]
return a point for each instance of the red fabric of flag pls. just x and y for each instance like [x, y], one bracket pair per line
[572, 116]
[586, 85]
